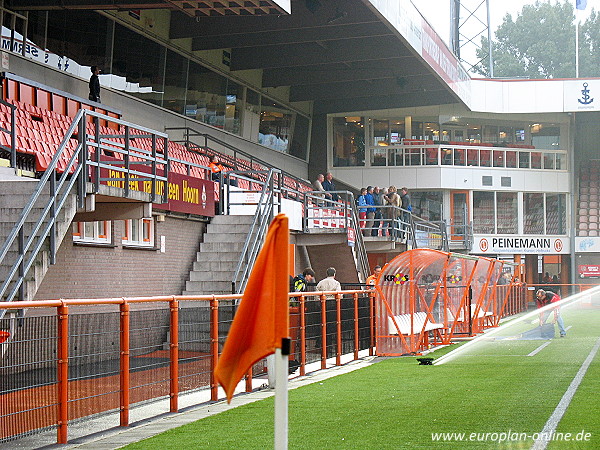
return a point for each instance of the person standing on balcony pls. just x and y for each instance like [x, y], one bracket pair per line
[378, 199]
[329, 186]
[318, 186]
[215, 167]
[94, 84]
[361, 203]
[392, 201]
[370, 210]
[406, 206]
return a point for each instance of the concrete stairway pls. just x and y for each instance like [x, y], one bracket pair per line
[15, 193]
[218, 256]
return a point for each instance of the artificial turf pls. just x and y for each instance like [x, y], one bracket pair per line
[396, 403]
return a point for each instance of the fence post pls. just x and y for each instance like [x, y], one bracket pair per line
[323, 332]
[125, 364]
[338, 324]
[302, 337]
[249, 380]
[63, 373]
[356, 330]
[372, 321]
[214, 347]
[174, 355]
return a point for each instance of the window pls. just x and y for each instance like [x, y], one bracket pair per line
[556, 214]
[275, 125]
[506, 207]
[533, 210]
[348, 141]
[484, 216]
[427, 204]
[92, 232]
[139, 233]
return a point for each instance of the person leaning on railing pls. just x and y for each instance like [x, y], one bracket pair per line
[216, 168]
[392, 200]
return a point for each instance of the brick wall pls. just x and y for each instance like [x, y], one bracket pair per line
[96, 272]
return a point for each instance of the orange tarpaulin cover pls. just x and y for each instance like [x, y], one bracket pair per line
[262, 318]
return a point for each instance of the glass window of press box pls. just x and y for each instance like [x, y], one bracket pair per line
[348, 141]
[162, 76]
[498, 212]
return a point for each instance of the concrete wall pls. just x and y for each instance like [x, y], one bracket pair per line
[83, 271]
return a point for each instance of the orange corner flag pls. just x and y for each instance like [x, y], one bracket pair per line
[262, 318]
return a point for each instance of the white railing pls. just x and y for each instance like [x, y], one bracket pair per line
[422, 154]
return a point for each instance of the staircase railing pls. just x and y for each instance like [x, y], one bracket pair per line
[360, 250]
[428, 234]
[265, 211]
[79, 164]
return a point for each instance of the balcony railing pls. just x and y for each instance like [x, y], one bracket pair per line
[420, 153]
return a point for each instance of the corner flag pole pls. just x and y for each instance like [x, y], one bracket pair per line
[281, 394]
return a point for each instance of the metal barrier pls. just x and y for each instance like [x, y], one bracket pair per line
[70, 359]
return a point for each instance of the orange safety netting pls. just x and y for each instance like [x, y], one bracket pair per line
[426, 297]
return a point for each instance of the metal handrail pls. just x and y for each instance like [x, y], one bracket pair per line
[75, 174]
[360, 250]
[258, 230]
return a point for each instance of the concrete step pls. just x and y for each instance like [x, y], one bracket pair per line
[215, 266]
[227, 229]
[210, 276]
[225, 237]
[222, 247]
[207, 287]
[14, 214]
[19, 185]
[232, 220]
[217, 256]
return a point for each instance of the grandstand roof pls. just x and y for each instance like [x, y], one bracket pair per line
[342, 54]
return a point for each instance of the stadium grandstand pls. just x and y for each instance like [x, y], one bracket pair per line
[116, 199]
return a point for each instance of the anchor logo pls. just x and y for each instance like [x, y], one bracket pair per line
[585, 98]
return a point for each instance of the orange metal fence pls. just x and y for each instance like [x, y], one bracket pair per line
[70, 359]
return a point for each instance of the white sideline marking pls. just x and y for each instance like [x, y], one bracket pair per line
[540, 348]
[562, 406]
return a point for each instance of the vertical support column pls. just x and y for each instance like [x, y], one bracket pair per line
[356, 330]
[249, 380]
[302, 336]
[63, 373]
[214, 347]
[124, 373]
[338, 326]
[372, 321]
[174, 355]
[323, 332]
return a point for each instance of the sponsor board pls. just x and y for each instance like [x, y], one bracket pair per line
[520, 245]
[587, 244]
[589, 271]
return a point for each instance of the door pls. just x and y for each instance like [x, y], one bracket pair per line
[459, 213]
